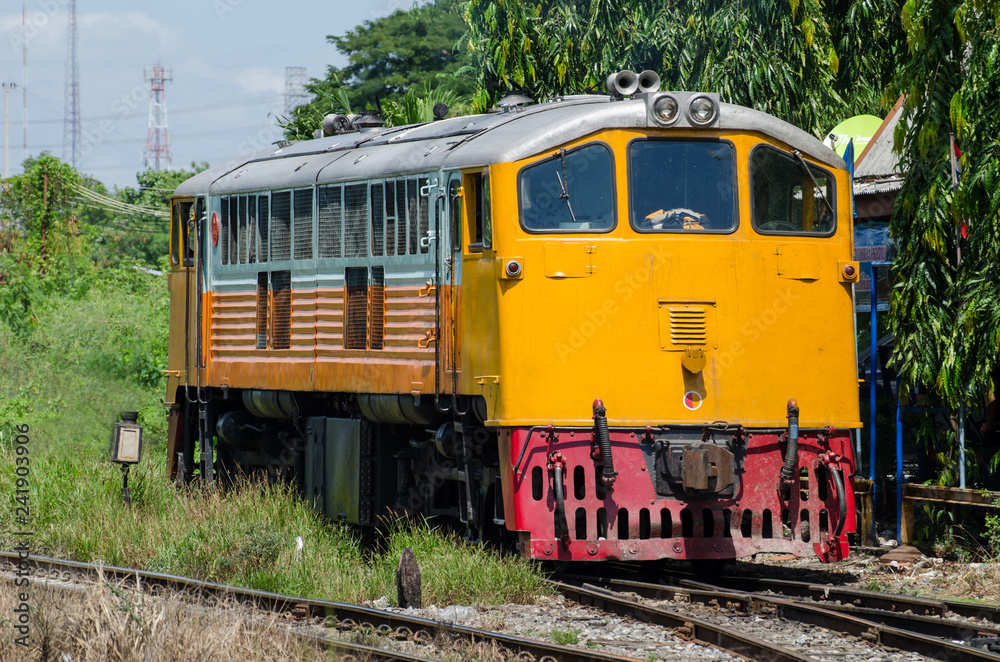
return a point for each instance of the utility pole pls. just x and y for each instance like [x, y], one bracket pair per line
[7, 87]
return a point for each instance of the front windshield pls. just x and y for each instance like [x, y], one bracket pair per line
[682, 186]
[571, 192]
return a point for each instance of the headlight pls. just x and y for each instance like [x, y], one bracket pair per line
[665, 110]
[702, 110]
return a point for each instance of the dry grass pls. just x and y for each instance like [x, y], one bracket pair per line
[100, 623]
[244, 536]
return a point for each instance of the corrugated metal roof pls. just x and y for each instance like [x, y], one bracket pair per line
[878, 159]
[878, 185]
[468, 141]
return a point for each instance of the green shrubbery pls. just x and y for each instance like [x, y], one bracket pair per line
[90, 352]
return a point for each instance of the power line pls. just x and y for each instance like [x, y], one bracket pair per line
[194, 109]
[111, 204]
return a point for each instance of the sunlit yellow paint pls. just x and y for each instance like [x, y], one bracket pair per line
[584, 321]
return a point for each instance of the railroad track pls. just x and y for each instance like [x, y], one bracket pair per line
[928, 627]
[919, 625]
[343, 617]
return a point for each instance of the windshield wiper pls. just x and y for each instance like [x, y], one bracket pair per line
[564, 183]
[816, 187]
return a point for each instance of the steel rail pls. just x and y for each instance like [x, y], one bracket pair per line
[339, 613]
[347, 650]
[932, 625]
[855, 624]
[696, 629]
[864, 598]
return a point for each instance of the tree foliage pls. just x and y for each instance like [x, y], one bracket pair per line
[781, 57]
[142, 238]
[409, 49]
[946, 301]
[56, 241]
[37, 223]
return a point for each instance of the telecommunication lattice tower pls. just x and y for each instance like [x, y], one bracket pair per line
[295, 89]
[157, 154]
[71, 113]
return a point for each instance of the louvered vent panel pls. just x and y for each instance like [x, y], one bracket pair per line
[376, 307]
[262, 225]
[242, 211]
[225, 230]
[356, 220]
[378, 220]
[252, 228]
[303, 224]
[281, 315]
[330, 221]
[262, 310]
[688, 325]
[412, 213]
[356, 320]
[234, 230]
[281, 228]
[390, 218]
[424, 214]
[400, 217]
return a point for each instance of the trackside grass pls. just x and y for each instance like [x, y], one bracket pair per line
[243, 536]
[91, 354]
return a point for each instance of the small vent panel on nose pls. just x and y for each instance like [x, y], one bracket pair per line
[688, 325]
[685, 324]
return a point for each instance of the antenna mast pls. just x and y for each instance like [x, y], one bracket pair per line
[71, 121]
[24, 73]
[158, 137]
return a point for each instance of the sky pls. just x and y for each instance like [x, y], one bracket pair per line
[227, 59]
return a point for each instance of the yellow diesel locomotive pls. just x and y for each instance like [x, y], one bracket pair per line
[607, 326]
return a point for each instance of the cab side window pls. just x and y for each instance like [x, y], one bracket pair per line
[789, 195]
[180, 240]
[479, 223]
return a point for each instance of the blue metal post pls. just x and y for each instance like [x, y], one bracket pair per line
[899, 464]
[871, 385]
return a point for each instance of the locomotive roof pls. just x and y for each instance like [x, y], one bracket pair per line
[461, 142]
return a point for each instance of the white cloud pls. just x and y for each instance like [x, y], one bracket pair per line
[128, 22]
[260, 80]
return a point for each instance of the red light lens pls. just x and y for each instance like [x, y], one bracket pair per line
[850, 272]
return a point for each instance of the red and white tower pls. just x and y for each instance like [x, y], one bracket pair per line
[71, 123]
[157, 154]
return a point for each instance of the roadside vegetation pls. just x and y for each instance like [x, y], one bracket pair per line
[83, 336]
[83, 359]
[83, 312]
